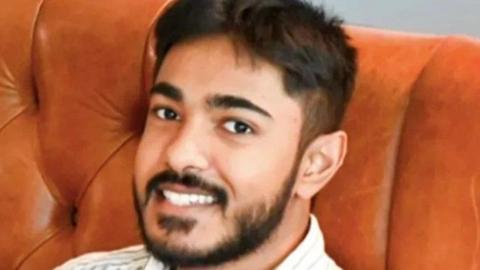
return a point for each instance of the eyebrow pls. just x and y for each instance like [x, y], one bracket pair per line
[233, 102]
[167, 90]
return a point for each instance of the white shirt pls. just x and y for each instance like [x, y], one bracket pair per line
[308, 255]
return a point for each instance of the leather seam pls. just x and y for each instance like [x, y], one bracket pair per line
[102, 165]
[9, 121]
[151, 33]
[85, 187]
[39, 245]
[50, 186]
[398, 145]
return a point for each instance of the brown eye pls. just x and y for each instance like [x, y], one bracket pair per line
[237, 127]
[167, 114]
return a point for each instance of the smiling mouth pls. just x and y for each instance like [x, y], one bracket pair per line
[186, 199]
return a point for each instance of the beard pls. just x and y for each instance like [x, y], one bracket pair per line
[252, 225]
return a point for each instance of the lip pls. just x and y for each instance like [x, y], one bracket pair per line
[178, 188]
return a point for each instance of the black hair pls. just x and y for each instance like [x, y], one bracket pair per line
[309, 46]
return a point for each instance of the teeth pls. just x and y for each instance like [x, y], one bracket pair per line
[182, 199]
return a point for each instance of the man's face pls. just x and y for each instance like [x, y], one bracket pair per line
[216, 163]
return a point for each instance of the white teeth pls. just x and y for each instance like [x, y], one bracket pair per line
[182, 199]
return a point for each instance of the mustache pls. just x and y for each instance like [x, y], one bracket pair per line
[188, 180]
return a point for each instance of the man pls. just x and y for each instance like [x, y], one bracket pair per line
[242, 132]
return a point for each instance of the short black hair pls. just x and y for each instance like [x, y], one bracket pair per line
[309, 46]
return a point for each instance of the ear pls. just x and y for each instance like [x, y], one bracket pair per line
[321, 160]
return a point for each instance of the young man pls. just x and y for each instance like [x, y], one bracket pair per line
[242, 132]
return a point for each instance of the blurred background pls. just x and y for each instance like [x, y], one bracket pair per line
[424, 16]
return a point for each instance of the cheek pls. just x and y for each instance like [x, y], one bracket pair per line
[258, 168]
[148, 160]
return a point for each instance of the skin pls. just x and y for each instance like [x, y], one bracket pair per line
[249, 152]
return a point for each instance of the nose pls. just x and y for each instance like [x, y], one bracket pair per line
[187, 151]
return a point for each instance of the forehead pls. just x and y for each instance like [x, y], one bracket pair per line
[215, 65]
[216, 59]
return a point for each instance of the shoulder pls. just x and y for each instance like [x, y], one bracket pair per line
[131, 257]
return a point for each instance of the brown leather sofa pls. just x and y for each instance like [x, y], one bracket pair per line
[73, 86]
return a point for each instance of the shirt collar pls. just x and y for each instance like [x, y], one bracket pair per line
[153, 264]
[314, 238]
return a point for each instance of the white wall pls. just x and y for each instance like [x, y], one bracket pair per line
[428, 16]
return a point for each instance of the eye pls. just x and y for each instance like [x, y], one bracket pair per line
[166, 114]
[237, 127]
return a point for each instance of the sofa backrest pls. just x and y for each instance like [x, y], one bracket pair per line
[408, 195]
[73, 97]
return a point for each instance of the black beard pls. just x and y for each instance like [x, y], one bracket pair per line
[253, 228]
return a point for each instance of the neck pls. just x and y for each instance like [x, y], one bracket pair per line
[288, 235]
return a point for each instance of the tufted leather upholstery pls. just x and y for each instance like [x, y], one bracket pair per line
[72, 103]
